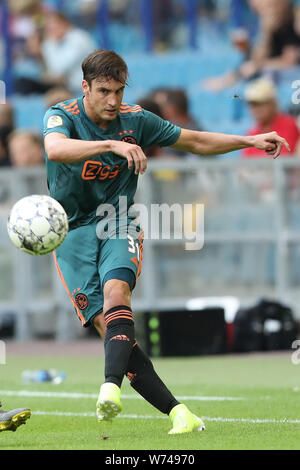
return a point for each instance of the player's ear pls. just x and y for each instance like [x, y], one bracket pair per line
[85, 87]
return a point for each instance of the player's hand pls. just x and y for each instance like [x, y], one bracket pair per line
[271, 142]
[133, 153]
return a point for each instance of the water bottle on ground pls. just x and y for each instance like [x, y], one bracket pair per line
[41, 376]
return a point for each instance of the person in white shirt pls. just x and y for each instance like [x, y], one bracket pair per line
[63, 49]
[58, 50]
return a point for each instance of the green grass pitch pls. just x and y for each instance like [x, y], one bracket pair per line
[262, 409]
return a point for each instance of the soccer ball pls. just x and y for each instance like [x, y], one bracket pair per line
[37, 224]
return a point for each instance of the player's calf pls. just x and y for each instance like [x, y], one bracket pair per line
[147, 383]
[118, 343]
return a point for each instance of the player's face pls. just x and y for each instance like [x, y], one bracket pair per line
[104, 98]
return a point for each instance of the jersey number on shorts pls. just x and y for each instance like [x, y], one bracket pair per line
[133, 246]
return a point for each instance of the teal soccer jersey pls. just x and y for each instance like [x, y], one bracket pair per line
[85, 261]
[81, 187]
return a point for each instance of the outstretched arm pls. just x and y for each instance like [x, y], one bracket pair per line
[211, 143]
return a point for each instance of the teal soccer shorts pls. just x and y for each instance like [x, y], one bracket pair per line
[84, 263]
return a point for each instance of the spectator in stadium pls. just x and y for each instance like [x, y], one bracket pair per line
[56, 95]
[163, 13]
[278, 46]
[120, 9]
[6, 127]
[149, 104]
[26, 149]
[27, 20]
[4, 155]
[7, 117]
[61, 51]
[175, 108]
[27, 16]
[260, 95]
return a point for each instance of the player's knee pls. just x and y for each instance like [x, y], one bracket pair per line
[116, 293]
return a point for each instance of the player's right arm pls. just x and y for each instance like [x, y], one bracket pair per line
[62, 149]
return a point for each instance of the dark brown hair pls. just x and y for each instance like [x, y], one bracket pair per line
[106, 64]
[178, 98]
[148, 103]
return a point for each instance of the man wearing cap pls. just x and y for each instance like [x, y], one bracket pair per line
[261, 97]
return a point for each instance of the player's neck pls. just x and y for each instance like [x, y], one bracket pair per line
[103, 124]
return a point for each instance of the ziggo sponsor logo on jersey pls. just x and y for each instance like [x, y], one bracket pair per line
[96, 170]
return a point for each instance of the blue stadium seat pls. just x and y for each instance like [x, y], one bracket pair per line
[29, 112]
[125, 38]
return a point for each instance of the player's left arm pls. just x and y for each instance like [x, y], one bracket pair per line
[212, 143]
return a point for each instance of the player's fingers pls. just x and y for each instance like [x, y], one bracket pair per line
[270, 145]
[282, 140]
[143, 160]
[136, 159]
[278, 150]
[286, 144]
[130, 160]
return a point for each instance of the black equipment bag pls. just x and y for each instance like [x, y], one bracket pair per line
[267, 326]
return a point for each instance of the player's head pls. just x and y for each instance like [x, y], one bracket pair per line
[105, 75]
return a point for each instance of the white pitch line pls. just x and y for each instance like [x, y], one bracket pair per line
[205, 418]
[252, 420]
[92, 415]
[39, 394]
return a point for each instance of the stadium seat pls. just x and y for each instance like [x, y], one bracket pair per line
[29, 112]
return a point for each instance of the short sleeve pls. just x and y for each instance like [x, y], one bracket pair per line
[55, 120]
[157, 131]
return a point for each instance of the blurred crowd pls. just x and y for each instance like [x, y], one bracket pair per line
[276, 46]
[49, 46]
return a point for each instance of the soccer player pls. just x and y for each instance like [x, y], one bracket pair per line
[94, 153]
[11, 420]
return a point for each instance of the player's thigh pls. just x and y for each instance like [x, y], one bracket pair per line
[121, 258]
[77, 264]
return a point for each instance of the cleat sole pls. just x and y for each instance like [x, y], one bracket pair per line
[107, 410]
